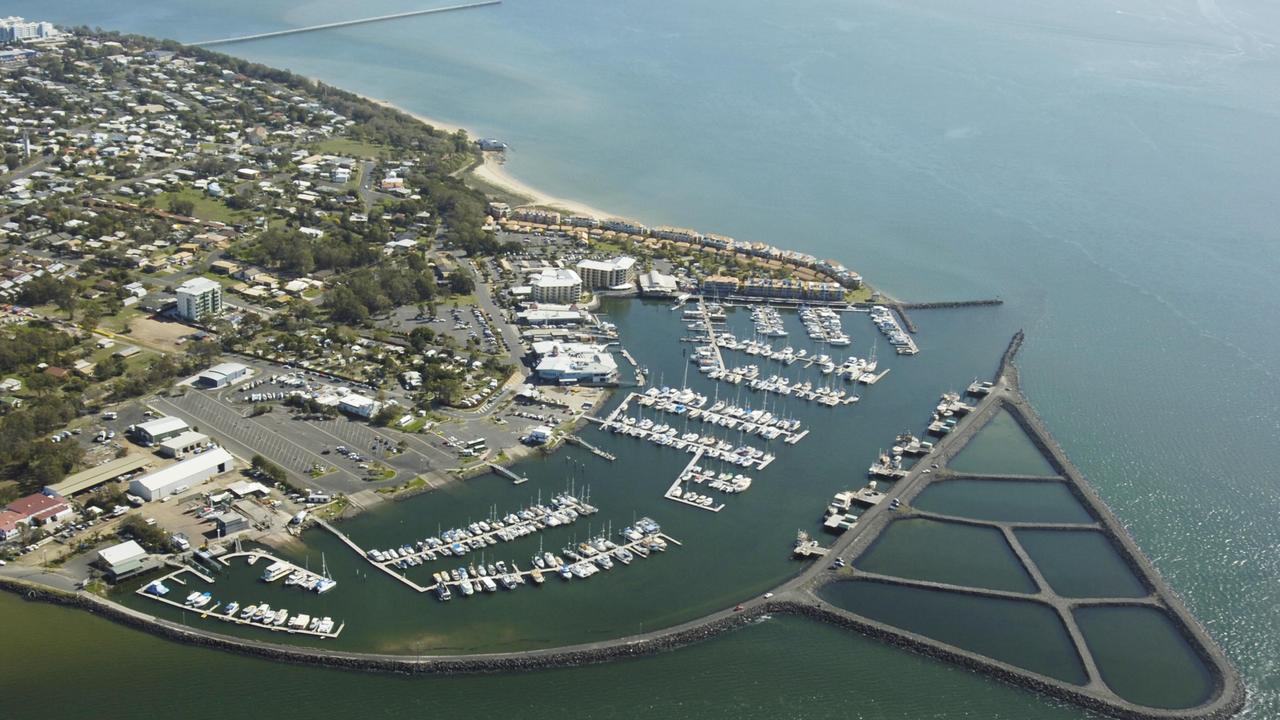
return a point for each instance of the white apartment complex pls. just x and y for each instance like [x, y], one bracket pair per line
[16, 29]
[617, 272]
[560, 286]
[199, 298]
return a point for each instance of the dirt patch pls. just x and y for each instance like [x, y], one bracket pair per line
[160, 334]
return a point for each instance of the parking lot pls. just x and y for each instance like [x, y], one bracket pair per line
[299, 445]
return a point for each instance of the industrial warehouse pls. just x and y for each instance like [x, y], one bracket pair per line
[182, 476]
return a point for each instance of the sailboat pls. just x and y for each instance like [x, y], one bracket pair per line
[326, 582]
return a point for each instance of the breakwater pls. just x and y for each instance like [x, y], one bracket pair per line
[569, 656]
[827, 613]
[945, 305]
[1228, 695]
[344, 23]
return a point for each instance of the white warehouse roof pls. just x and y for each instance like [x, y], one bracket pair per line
[122, 553]
[163, 425]
[203, 462]
[190, 437]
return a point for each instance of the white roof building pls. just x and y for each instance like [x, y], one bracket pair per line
[222, 374]
[175, 478]
[160, 429]
[123, 558]
[556, 285]
[656, 284]
[182, 443]
[356, 404]
[617, 273]
[574, 363]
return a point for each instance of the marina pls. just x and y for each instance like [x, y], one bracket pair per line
[259, 615]
[683, 401]
[641, 539]
[947, 414]
[887, 322]
[589, 557]
[709, 358]
[694, 473]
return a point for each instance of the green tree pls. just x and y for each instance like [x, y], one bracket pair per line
[182, 206]
[461, 282]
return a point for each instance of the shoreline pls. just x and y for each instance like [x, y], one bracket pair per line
[492, 171]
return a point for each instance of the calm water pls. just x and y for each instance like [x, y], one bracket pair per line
[1107, 167]
[1002, 448]
[1004, 500]
[1081, 563]
[947, 552]
[1026, 634]
[1143, 657]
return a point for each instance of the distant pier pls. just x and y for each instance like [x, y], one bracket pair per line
[344, 23]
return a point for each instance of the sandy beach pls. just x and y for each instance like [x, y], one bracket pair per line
[494, 173]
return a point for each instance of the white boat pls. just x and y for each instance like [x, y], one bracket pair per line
[275, 571]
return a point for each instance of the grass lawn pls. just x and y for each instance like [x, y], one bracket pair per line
[862, 294]
[334, 509]
[418, 483]
[347, 146]
[206, 208]
[119, 322]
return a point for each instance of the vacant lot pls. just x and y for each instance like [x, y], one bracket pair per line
[158, 333]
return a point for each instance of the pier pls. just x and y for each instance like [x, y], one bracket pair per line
[673, 493]
[507, 473]
[344, 23]
[578, 440]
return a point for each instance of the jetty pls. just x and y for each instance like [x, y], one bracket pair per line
[676, 494]
[578, 440]
[507, 473]
[344, 23]
[806, 547]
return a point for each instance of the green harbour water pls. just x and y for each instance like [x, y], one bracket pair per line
[1002, 448]
[945, 552]
[1024, 634]
[1143, 657]
[1107, 168]
[1081, 563]
[1004, 500]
